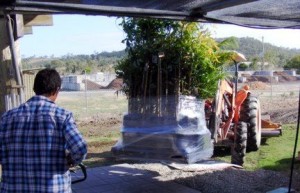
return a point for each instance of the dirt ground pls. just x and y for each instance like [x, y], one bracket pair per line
[281, 106]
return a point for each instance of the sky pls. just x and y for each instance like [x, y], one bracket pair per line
[74, 34]
[80, 34]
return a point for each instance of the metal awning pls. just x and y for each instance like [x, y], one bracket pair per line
[249, 13]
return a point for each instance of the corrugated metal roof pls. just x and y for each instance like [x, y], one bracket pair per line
[250, 13]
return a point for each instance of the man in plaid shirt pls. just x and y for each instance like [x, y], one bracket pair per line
[39, 141]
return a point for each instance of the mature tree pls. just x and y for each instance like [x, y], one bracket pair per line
[54, 64]
[294, 63]
[243, 66]
[254, 64]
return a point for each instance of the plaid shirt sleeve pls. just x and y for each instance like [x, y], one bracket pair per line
[75, 143]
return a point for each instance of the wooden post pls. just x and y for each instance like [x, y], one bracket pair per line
[8, 80]
[11, 81]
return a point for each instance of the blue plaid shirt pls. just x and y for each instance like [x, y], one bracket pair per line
[34, 139]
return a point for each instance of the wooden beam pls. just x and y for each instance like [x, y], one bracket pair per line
[24, 23]
[28, 30]
[19, 27]
[37, 20]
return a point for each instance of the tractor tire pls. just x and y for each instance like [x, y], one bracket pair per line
[250, 113]
[238, 149]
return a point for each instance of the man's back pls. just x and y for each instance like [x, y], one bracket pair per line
[34, 139]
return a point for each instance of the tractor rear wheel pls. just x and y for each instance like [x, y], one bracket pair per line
[238, 150]
[251, 114]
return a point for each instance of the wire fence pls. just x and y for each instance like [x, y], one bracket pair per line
[275, 92]
[283, 91]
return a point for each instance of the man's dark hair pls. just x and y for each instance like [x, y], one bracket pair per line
[47, 81]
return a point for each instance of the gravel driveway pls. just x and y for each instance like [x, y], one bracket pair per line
[223, 180]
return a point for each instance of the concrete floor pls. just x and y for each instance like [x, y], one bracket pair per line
[124, 178]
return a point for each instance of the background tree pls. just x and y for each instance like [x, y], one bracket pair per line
[243, 67]
[254, 64]
[293, 63]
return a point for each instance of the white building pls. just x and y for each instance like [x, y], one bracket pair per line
[77, 82]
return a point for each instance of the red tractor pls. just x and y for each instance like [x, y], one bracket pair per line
[234, 119]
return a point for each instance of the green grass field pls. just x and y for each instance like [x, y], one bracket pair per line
[275, 154]
[92, 103]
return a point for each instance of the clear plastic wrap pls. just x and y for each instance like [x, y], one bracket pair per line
[178, 134]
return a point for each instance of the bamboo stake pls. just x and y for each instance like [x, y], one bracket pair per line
[157, 89]
[160, 56]
[145, 84]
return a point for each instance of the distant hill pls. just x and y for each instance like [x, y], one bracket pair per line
[105, 61]
[253, 48]
[113, 54]
[77, 64]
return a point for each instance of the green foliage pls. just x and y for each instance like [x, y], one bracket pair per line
[254, 64]
[192, 63]
[231, 43]
[87, 70]
[243, 66]
[294, 63]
